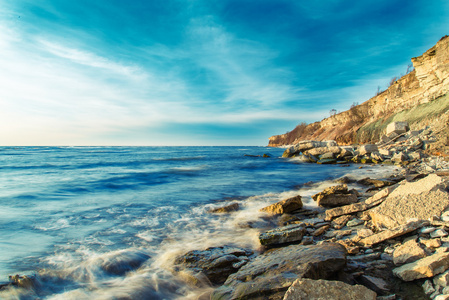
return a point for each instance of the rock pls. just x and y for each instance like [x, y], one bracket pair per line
[378, 183]
[365, 232]
[270, 274]
[123, 261]
[328, 161]
[442, 297]
[226, 209]
[340, 222]
[25, 281]
[376, 284]
[428, 287]
[445, 216]
[215, 264]
[442, 279]
[376, 199]
[321, 230]
[309, 289]
[391, 233]
[284, 206]
[424, 268]
[323, 150]
[397, 128]
[327, 155]
[335, 196]
[399, 157]
[354, 222]
[408, 252]
[367, 149]
[431, 243]
[281, 235]
[384, 152]
[438, 233]
[421, 199]
[303, 146]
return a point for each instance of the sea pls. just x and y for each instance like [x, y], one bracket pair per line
[67, 213]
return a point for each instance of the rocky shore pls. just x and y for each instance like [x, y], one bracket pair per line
[387, 239]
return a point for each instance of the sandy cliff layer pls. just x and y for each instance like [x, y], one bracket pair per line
[424, 88]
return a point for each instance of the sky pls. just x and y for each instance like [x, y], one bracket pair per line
[197, 72]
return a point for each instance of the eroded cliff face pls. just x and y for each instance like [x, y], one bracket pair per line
[367, 121]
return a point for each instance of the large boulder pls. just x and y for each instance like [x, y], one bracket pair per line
[367, 149]
[226, 209]
[269, 275]
[281, 235]
[303, 146]
[397, 127]
[122, 261]
[421, 199]
[213, 265]
[284, 206]
[323, 150]
[309, 289]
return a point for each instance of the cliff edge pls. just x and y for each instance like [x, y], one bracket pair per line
[420, 98]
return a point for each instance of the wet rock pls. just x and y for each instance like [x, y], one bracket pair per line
[121, 262]
[215, 264]
[25, 281]
[327, 161]
[226, 209]
[421, 199]
[309, 289]
[424, 268]
[408, 252]
[270, 274]
[282, 235]
[284, 206]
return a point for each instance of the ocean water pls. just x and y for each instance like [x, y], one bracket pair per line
[68, 212]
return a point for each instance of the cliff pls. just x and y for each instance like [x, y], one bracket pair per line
[420, 98]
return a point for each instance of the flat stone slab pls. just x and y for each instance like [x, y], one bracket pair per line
[391, 233]
[408, 252]
[424, 268]
[282, 235]
[309, 289]
[422, 199]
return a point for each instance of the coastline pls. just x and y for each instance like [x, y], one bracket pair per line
[247, 231]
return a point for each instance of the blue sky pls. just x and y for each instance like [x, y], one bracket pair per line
[197, 72]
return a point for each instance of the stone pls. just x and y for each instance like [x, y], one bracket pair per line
[445, 216]
[270, 274]
[374, 200]
[284, 206]
[327, 155]
[442, 279]
[309, 289]
[336, 200]
[442, 297]
[25, 281]
[322, 150]
[321, 230]
[376, 284]
[428, 287]
[391, 233]
[326, 161]
[421, 199]
[303, 146]
[354, 222]
[378, 183]
[397, 128]
[399, 157]
[367, 149]
[123, 261]
[365, 232]
[226, 209]
[282, 235]
[424, 268]
[341, 221]
[408, 252]
[438, 233]
[427, 230]
[384, 152]
[213, 264]
[431, 243]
